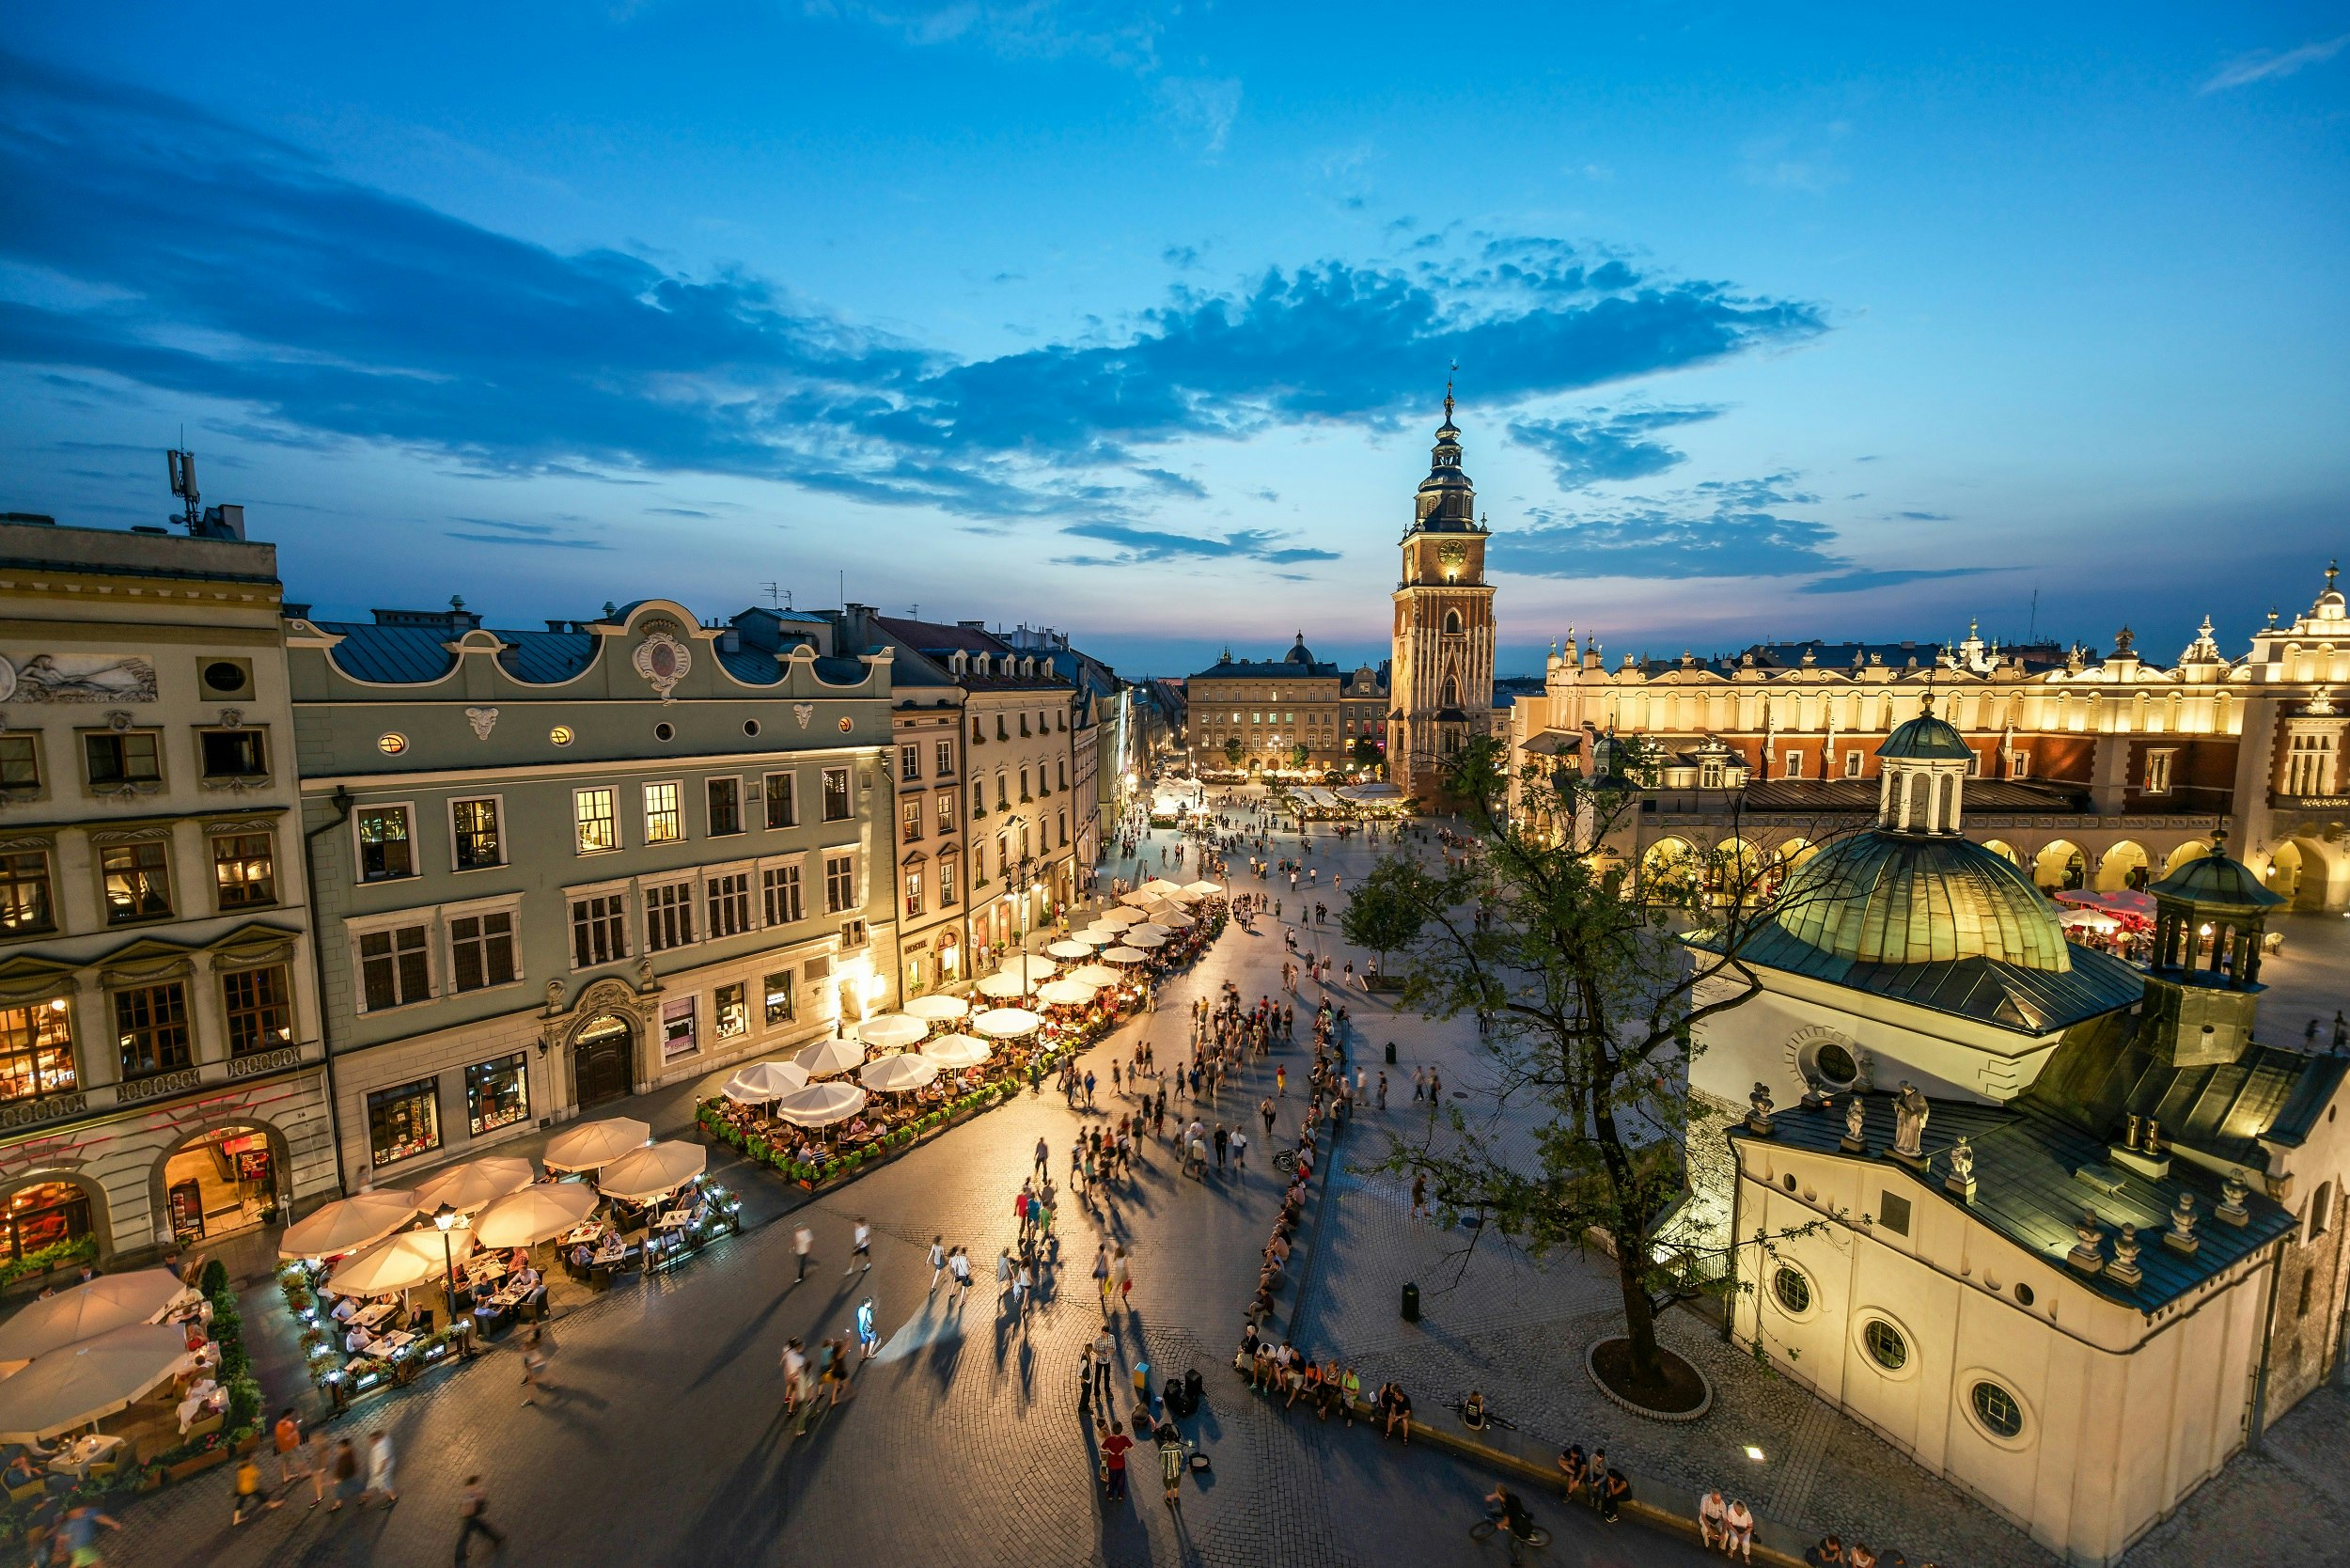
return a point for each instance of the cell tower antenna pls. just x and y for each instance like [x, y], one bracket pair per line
[182, 464]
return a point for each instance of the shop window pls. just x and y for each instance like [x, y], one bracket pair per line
[665, 818]
[405, 1122]
[233, 753]
[259, 1005]
[151, 1024]
[780, 888]
[37, 1050]
[46, 1216]
[137, 880]
[668, 916]
[498, 1094]
[783, 809]
[678, 1036]
[837, 806]
[20, 762]
[599, 930]
[839, 883]
[595, 821]
[481, 949]
[726, 805]
[121, 756]
[730, 1014]
[473, 831]
[386, 843]
[777, 989]
[244, 870]
[26, 903]
[395, 968]
[729, 904]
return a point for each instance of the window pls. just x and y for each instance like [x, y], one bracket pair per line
[20, 762]
[599, 930]
[1996, 1409]
[391, 743]
[1063, 769]
[1793, 761]
[729, 904]
[474, 832]
[665, 819]
[777, 987]
[27, 904]
[729, 1014]
[1886, 1345]
[405, 1122]
[678, 1036]
[1003, 798]
[244, 870]
[2321, 1210]
[909, 762]
[481, 949]
[151, 1026]
[839, 883]
[946, 811]
[910, 819]
[2309, 765]
[1893, 1212]
[386, 844]
[395, 968]
[233, 754]
[782, 803]
[46, 1215]
[138, 880]
[945, 882]
[37, 1050]
[978, 800]
[668, 916]
[2019, 763]
[1792, 1290]
[726, 805]
[836, 794]
[259, 1005]
[1852, 765]
[943, 760]
[596, 819]
[123, 757]
[498, 1094]
[914, 891]
[2158, 772]
[779, 886]
[1064, 830]
[1024, 783]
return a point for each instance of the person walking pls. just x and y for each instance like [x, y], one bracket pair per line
[249, 1498]
[1265, 1109]
[1104, 1355]
[286, 1438]
[1042, 1155]
[1240, 1152]
[1223, 1142]
[802, 1239]
[938, 1261]
[346, 1475]
[1022, 1282]
[1114, 1445]
[1101, 1277]
[959, 1265]
[1003, 1275]
[864, 1250]
[318, 1459]
[380, 1470]
[1282, 1081]
[473, 1518]
[536, 1352]
[1419, 1194]
[1173, 1457]
[1383, 1091]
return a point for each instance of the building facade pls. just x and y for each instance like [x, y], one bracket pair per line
[558, 866]
[1443, 666]
[160, 1067]
[1265, 716]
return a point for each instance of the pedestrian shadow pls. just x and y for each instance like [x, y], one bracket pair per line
[740, 1342]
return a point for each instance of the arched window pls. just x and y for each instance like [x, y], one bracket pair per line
[1451, 693]
[1452, 622]
[2321, 1210]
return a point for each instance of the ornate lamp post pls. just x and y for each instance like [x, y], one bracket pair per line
[443, 1217]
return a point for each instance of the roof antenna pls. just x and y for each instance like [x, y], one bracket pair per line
[183, 465]
[775, 593]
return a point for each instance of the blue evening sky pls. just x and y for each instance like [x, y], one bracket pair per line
[1133, 320]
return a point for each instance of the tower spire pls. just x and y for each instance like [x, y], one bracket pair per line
[1448, 406]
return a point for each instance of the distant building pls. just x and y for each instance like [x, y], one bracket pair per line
[1270, 715]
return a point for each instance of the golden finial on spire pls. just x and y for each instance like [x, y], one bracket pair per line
[1447, 392]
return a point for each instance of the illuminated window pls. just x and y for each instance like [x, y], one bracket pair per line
[664, 820]
[259, 1006]
[595, 819]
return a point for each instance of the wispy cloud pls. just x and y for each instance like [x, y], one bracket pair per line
[1120, 34]
[1141, 546]
[2266, 65]
[1596, 449]
[1201, 108]
[543, 536]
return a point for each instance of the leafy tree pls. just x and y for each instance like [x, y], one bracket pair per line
[1299, 755]
[1232, 749]
[1587, 991]
[1365, 752]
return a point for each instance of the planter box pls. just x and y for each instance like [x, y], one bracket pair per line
[202, 1463]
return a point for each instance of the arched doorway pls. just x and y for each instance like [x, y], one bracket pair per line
[2121, 867]
[2059, 868]
[49, 1209]
[603, 1060]
[1671, 868]
[221, 1181]
[2001, 848]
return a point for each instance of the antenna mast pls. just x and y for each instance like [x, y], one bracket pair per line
[183, 465]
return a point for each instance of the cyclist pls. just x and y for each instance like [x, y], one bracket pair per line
[1508, 1511]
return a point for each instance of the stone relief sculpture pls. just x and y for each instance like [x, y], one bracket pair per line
[77, 678]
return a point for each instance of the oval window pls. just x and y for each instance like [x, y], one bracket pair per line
[391, 743]
[750, 726]
[1996, 1409]
[2023, 1293]
[560, 734]
[1836, 1065]
[1886, 1344]
[222, 675]
[1792, 1290]
[664, 731]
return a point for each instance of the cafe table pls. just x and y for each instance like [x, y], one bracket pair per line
[77, 1457]
[376, 1314]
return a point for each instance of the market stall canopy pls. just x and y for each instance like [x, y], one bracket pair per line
[1124, 955]
[1069, 949]
[829, 1056]
[655, 1170]
[1009, 988]
[897, 1074]
[1116, 917]
[937, 1010]
[1031, 967]
[476, 1183]
[1006, 1023]
[1094, 973]
[348, 1224]
[762, 1081]
[77, 1384]
[1064, 993]
[411, 1259]
[821, 1104]
[534, 1214]
[109, 1302]
[1203, 889]
[2091, 919]
[592, 1144]
[1139, 938]
[958, 1051]
[892, 1031]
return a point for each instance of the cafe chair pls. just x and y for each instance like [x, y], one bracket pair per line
[30, 1490]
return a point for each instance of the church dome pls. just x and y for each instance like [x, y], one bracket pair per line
[1300, 653]
[1894, 897]
[1927, 738]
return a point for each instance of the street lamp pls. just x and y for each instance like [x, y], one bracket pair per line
[443, 1217]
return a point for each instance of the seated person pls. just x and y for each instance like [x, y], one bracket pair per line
[611, 1250]
[20, 1471]
[1260, 1372]
[582, 1255]
[528, 1278]
[1399, 1414]
[345, 1309]
[1574, 1467]
[1473, 1411]
[359, 1342]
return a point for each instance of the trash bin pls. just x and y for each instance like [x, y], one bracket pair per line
[1411, 1303]
[1390, 1053]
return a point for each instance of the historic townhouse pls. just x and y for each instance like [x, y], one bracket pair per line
[159, 1026]
[556, 867]
[1282, 713]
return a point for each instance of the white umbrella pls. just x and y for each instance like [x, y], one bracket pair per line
[1124, 955]
[762, 1081]
[536, 1214]
[1140, 895]
[1148, 928]
[1006, 1023]
[1009, 988]
[408, 1260]
[1116, 917]
[829, 1056]
[1146, 939]
[821, 1104]
[1069, 949]
[958, 1051]
[477, 1182]
[348, 1224]
[1064, 993]
[109, 1302]
[900, 1073]
[654, 1172]
[592, 1144]
[1160, 886]
[1174, 920]
[1094, 973]
[937, 1010]
[1097, 937]
[892, 1031]
[1203, 889]
[77, 1384]
[1031, 967]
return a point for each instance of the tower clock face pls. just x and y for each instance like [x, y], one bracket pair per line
[1451, 558]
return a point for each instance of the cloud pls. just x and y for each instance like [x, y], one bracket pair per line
[1602, 448]
[676, 512]
[1181, 258]
[1174, 484]
[1117, 34]
[539, 535]
[152, 242]
[2266, 65]
[1201, 108]
[1923, 516]
[1859, 581]
[1142, 546]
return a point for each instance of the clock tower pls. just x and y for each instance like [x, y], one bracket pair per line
[1442, 681]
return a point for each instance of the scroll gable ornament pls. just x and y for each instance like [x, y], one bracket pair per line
[663, 661]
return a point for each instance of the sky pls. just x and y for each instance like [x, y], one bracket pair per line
[1134, 320]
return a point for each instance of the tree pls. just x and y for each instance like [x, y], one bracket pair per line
[1587, 986]
[1232, 749]
[1299, 755]
[1365, 752]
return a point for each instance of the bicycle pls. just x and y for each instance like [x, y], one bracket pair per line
[1493, 1416]
[1535, 1536]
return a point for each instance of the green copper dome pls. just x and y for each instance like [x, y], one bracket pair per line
[1927, 738]
[1894, 897]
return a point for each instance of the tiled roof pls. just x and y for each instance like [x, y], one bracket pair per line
[1264, 669]
[389, 656]
[938, 637]
[545, 658]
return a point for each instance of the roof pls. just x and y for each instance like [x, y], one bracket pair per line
[938, 637]
[1984, 796]
[2269, 1093]
[1927, 738]
[388, 655]
[1264, 669]
[1989, 991]
[2026, 1189]
[1890, 898]
[545, 658]
[2217, 878]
